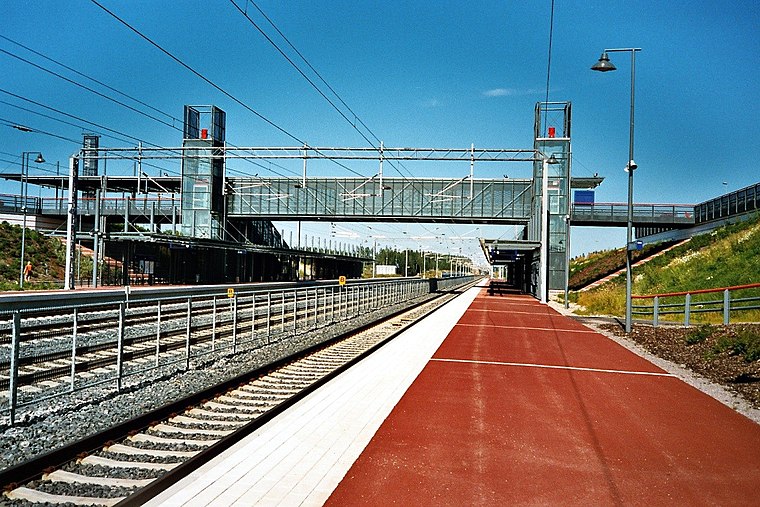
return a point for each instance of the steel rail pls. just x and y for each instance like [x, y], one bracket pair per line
[61, 348]
[33, 469]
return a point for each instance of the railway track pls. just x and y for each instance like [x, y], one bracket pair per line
[131, 463]
[156, 331]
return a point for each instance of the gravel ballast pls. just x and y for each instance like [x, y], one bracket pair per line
[71, 417]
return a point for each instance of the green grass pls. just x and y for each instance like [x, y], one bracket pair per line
[699, 334]
[726, 257]
[47, 256]
[596, 265]
[744, 342]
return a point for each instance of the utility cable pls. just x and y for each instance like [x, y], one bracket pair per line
[549, 66]
[293, 64]
[92, 90]
[97, 125]
[36, 166]
[122, 139]
[71, 69]
[91, 79]
[211, 83]
[214, 85]
[314, 70]
[16, 125]
[11, 124]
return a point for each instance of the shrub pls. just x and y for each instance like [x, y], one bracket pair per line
[745, 343]
[699, 334]
[748, 345]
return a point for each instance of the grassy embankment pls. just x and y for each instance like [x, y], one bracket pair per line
[726, 257]
[47, 255]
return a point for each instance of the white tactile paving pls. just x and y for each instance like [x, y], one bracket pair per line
[300, 456]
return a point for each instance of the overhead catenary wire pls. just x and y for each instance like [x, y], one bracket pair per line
[92, 90]
[316, 73]
[111, 88]
[119, 133]
[121, 138]
[298, 69]
[12, 124]
[210, 82]
[548, 66]
[81, 74]
[72, 116]
[17, 161]
[48, 133]
[310, 81]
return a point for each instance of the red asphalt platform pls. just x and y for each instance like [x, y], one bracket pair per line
[523, 406]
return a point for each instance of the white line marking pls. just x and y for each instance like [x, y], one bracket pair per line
[508, 311]
[555, 367]
[588, 331]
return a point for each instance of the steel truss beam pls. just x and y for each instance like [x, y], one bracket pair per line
[322, 152]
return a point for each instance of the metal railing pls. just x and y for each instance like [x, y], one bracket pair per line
[642, 213]
[140, 206]
[734, 203]
[57, 343]
[740, 298]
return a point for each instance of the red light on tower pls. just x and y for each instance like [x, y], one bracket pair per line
[552, 131]
[204, 133]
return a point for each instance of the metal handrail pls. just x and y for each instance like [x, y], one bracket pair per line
[726, 305]
[191, 318]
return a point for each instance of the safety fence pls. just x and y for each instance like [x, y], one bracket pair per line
[602, 212]
[57, 343]
[740, 298]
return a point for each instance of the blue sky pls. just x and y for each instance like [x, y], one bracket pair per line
[422, 74]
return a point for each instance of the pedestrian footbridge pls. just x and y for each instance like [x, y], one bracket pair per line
[485, 201]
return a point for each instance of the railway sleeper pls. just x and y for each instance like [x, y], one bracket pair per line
[227, 412]
[155, 439]
[169, 429]
[36, 496]
[156, 453]
[226, 408]
[243, 400]
[74, 478]
[195, 421]
[222, 415]
[115, 463]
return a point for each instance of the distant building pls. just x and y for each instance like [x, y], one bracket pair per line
[386, 269]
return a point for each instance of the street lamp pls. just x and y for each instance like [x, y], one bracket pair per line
[604, 65]
[24, 184]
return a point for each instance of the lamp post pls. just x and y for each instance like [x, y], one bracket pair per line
[604, 65]
[24, 186]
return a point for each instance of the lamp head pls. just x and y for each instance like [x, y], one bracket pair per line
[632, 165]
[604, 64]
[39, 159]
[552, 160]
